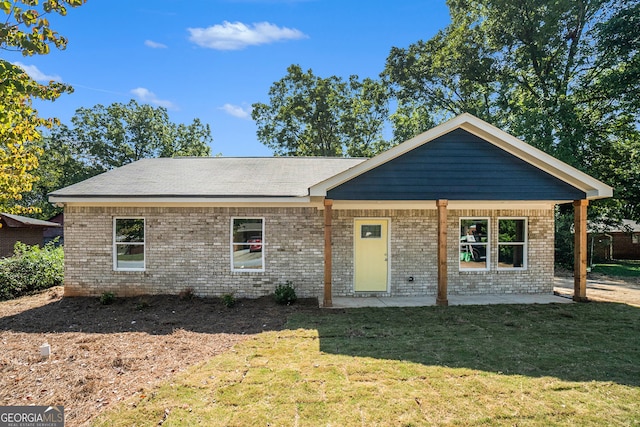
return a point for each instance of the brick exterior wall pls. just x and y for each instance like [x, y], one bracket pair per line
[622, 246]
[9, 236]
[189, 248]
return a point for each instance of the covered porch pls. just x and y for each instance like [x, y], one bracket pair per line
[442, 297]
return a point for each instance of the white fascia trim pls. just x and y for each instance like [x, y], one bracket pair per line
[184, 201]
[452, 204]
[593, 188]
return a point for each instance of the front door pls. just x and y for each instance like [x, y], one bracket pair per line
[371, 256]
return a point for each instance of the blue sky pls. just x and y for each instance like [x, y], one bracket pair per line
[213, 59]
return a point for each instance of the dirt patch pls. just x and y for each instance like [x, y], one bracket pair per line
[103, 354]
[602, 288]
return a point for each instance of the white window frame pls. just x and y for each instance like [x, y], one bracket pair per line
[524, 244]
[486, 244]
[143, 244]
[232, 243]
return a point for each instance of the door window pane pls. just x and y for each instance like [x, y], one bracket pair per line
[371, 231]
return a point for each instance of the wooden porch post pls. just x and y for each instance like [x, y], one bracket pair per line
[580, 250]
[328, 204]
[442, 253]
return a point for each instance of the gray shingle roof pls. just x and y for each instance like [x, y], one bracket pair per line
[212, 177]
[23, 221]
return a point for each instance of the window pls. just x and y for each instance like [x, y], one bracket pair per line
[247, 244]
[474, 244]
[128, 244]
[512, 248]
[371, 231]
[635, 238]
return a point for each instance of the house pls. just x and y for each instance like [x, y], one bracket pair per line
[16, 228]
[619, 241]
[463, 208]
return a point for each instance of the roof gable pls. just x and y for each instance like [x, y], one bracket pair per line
[455, 166]
[464, 159]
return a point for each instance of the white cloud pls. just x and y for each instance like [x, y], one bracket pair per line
[237, 111]
[36, 74]
[236, 35]
[154, 45]
[145, 95]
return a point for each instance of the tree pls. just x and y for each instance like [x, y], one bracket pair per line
[314, 116]
[611, 93]
[515, 64]
[60, 164]
[26, 30]
[103, 138]
[112, 136]
[562, 75]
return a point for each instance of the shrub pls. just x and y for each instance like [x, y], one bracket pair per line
[186, 294]
[228, 300]
[142, 304]
[285, 294]
[107, 298]
[31, 269]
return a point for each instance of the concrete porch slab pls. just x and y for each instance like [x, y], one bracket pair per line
[357, 302]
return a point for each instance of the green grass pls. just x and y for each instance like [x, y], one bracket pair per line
[620, 268]
[532, 365]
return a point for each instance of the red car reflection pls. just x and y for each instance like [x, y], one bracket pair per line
[256, 244]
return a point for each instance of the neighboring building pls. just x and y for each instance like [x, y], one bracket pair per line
[16, 228]
[464, 208]
[621, 241]
[52, 233]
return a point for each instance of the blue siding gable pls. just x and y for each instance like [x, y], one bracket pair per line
[456, 166]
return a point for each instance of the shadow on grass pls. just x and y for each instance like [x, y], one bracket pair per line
[156, 315]
[577, 342]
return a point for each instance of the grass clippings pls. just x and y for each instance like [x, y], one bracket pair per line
[534, 365]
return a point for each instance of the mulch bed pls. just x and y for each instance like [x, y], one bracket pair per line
[103, 354]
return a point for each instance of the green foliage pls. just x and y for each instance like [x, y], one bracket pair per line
[25, 29]
[103, 138]
[107, 298]
[118, 134]
[31, 269]
[142, 304]
[564, 236]
[285, 294]
[229, 300]
[562, 75]
[309, 115]
[620, 268]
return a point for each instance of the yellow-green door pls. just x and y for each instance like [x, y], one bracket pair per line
[370, 253]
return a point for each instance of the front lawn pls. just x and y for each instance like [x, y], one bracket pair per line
[620, 268]
[509, 365]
